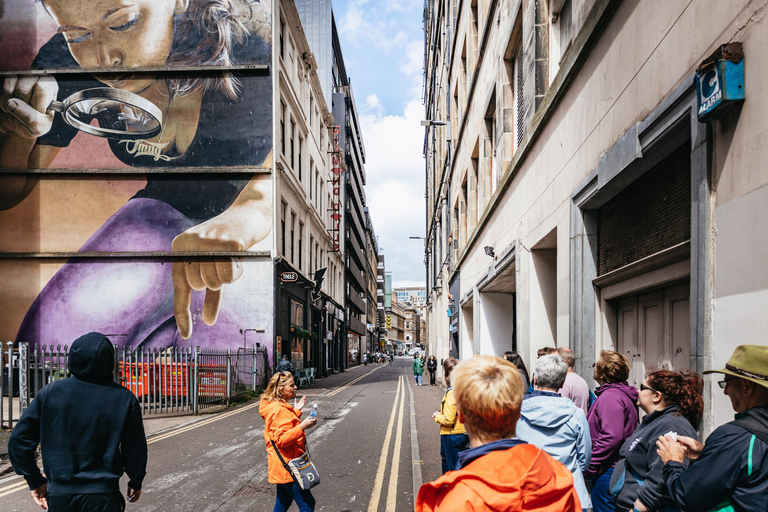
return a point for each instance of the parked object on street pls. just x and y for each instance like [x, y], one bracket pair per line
[284, 433]
[453, 435]
[500, 471]
[90, 431]
[673, 405]
[612, 420]
[730, 471]
[555, 424]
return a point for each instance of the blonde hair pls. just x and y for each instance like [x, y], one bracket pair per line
[274, 391]
[489, 392]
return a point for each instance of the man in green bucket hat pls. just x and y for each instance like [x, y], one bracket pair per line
[730, 473]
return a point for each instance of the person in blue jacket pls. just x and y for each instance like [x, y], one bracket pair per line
[730, 473]
[555, 424]
[90, 432]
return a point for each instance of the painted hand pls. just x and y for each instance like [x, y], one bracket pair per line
[244, 224]
[23, 105]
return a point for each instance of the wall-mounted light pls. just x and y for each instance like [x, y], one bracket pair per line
[430, 122]
[489, 251]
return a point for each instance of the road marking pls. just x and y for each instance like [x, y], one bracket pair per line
[415, 454]
[373, 506]
[395, 468]
[202, 423]
[354, 381]
[12, 488]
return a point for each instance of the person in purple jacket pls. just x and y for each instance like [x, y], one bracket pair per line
[612, 419]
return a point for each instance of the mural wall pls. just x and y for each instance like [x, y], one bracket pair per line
[135, 171]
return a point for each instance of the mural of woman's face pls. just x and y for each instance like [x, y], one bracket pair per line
[118, 33]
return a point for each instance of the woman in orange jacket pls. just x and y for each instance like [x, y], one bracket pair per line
[283, 425]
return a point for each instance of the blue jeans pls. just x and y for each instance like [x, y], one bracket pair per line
[602, 501]
[450, 446]
[288, 493]
[418, 379]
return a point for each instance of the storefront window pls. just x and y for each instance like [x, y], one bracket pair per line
[353, 341]
[297, 342]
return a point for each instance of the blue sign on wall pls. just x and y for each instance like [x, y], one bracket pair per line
[720, 81]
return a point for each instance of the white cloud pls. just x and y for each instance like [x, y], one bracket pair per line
[395, 187]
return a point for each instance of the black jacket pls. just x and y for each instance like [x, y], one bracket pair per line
[640, 460]
[432, 365]
[722, 471]
[89, 427]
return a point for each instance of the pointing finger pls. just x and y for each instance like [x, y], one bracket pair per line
[211, 306]
[209, 275]
[182, 299]
[193, 275]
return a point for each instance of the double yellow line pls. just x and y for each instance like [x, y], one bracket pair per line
[352, 382]
[373, 505]
[10, 489]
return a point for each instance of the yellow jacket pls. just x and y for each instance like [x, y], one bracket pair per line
[448, 417]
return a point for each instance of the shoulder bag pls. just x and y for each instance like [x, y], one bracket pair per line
[301, 469]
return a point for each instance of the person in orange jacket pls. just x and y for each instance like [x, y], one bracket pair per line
[283, 425]
[499, 472]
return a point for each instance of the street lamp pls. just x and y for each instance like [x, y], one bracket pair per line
[430, 122]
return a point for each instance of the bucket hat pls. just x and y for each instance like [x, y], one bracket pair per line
[748, 362]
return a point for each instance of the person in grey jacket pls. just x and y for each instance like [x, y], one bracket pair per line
[555, 424]
[673, 405]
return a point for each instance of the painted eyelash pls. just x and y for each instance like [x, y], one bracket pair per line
[79, 39]
[131, 23]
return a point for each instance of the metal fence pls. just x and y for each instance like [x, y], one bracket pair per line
[164, 381]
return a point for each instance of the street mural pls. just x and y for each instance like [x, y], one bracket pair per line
[130, 146]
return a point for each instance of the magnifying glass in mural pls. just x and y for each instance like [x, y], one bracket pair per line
[120, 114]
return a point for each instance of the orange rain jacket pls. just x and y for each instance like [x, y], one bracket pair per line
[521, 478]
[281, 425]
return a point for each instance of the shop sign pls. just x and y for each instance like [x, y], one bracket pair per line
[720, 81]
[337, 171]
[289, 277]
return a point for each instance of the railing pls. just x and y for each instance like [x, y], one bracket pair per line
[164, 381]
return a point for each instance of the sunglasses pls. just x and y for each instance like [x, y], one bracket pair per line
[723, 383]
[643, 387]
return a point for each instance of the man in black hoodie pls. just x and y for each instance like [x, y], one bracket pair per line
[90, 430]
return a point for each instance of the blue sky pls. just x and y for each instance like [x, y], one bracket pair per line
[383, 47]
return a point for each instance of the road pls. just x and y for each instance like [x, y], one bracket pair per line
[364, 447]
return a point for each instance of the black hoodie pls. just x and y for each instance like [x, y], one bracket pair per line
[89, 427]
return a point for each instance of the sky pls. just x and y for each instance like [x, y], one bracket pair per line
[383, 48]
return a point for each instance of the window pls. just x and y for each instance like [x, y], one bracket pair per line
[301, 145]
[311, 109]
[293, 227]
[282, 127]
[293, 134]
[301, 238]
[311, 262]
[566, 27]
[284, 206]
[311, 190]
[282, 38]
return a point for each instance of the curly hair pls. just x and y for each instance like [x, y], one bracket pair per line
[682, 389]
[612, 366]
[274, 391]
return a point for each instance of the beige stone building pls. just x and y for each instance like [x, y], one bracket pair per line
[574, 197]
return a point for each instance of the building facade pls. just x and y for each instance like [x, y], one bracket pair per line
[575, 196]
[193, 199]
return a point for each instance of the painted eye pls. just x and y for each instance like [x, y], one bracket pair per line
[122, 28]
[80, 39]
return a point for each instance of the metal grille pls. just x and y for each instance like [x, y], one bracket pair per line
[650, 215]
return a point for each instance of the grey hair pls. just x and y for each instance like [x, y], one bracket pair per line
[550, 371]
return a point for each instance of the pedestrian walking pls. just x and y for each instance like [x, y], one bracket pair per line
[575, 387]
[284, 428]
[418, 369]
[500, 471]
[673, 405]
[432, 369]
[90, 431]
[730, 472]
[284, 365]
[612, 420]
[453, 435]
[555, 424]
[517, 360]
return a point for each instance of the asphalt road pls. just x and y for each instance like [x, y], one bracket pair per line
[363, 447]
